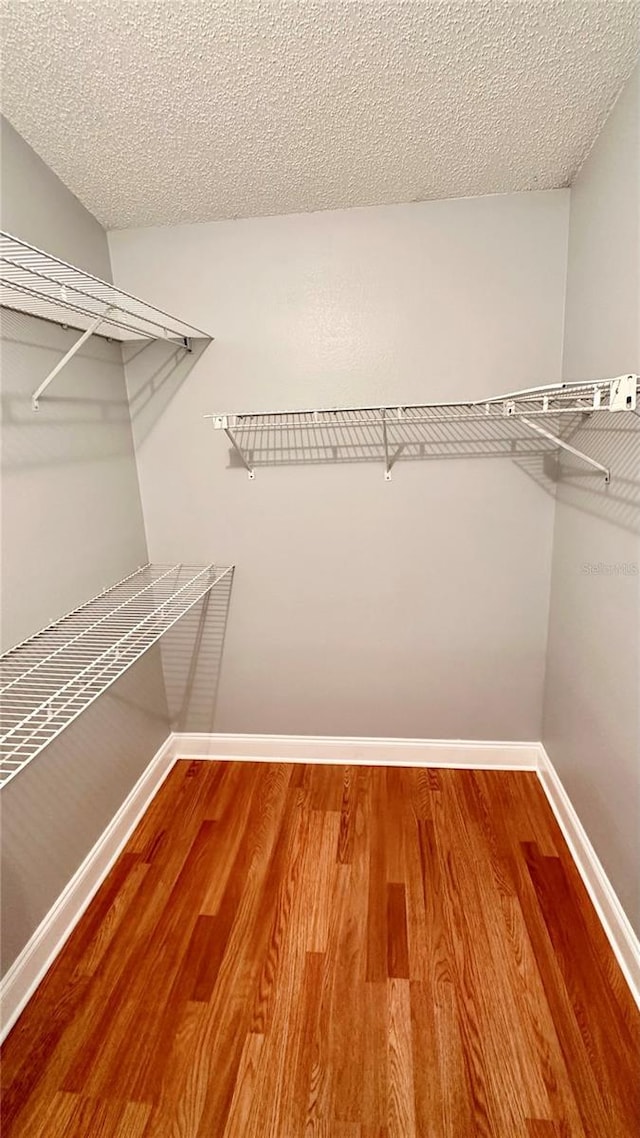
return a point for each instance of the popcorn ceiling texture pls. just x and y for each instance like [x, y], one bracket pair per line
[165, 111]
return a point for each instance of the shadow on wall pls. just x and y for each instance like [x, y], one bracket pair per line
[614, 440]
[82, 415]
[192, 658]
[611, 438]
[57, 807]
[160, 370]
[89, 394]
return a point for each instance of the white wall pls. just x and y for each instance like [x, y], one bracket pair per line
[37, 208]
[57, 808]
[411, 608]
[71, 511]
[71, 525]
[592, 698]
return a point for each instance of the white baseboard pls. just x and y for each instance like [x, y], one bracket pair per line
[613, 918]
[373, 752]
[29, 968]
[27, 971]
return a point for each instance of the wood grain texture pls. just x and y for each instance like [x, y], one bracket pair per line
[292, 951]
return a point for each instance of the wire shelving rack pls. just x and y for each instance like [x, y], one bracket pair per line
[38, 284]
[395, 430]
[50, 678]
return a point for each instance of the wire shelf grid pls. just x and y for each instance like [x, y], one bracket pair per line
[49, 679]
[566, 398]
[520, 417]
[38, 284]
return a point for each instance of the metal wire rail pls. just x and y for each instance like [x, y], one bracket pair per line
[330, 429]
[49, 679]
[39, 284]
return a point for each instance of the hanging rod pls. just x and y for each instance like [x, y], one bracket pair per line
[37, 284]
[529, 407]
[49, 679]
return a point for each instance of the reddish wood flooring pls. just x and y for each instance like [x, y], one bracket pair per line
[333, 952]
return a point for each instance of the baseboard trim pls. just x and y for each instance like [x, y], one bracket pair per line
[29, 968]
[370, 751]
[613, 918]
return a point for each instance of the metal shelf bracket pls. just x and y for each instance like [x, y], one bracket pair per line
[387, 463]
[35, 398]
[222, 422]
[623, 393]
[566, 446]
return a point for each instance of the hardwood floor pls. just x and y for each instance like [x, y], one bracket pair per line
[333, 952]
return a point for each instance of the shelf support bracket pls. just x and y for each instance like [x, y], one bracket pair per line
[566, 446]
[222, 421]
[35, 398]
[387, 463]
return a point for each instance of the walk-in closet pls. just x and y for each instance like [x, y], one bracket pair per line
[320, 611]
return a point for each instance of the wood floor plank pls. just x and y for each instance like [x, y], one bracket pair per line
[133, 1120]
[152, 826]
[451, 1091]
[275, 1010]
[285, 951]
[324, 828]
[543, 1053]
[595, 1006]
[375, 1070]
[59, 1116]
[231, 815]
[348, 1045]
[401, 1114]
[320, 1092]
[244, 1089]
[326, 787]
[89, 1118]
[528, 1054]
[353, 787]
[397, 941]
[420, 794]
[594, 930]
[68, 980]
[469, 953]
[377, 940]
[303, 1066]
[125, 1050]
[396, 810]
[45, 1048]
[164, 1120]
[208, 1091]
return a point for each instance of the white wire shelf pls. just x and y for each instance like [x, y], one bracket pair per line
[49, 679]
[38, 284]
[420, 429]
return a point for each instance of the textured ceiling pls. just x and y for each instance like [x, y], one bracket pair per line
[162, 111]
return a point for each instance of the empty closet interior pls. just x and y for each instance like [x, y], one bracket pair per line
[321, 427]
